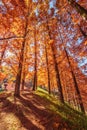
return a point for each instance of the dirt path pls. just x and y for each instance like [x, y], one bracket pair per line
[28, 112]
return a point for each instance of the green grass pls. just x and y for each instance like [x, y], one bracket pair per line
[75, 119]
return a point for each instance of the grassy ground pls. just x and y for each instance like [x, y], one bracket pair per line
[38, 111]
[75, 119]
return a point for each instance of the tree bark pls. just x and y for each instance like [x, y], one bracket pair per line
[56, 68]
[47, 69]
[79, 8]
[19, 73]
[35, 67]
[23, 81]
[18, 77]
[2, 55]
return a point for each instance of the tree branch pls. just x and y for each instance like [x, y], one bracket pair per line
[12, 37]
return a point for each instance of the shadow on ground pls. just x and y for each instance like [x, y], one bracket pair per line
[36, 112]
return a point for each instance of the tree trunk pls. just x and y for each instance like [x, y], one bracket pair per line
[58, 77]
[23, 81]
[35, 67]
[56, 69]
[47, 69]
[73, 76]
[79, 8]
[2, 55]
[23, 70]
[75, 84]
[19, 73]
[18, 77]
[83, 33]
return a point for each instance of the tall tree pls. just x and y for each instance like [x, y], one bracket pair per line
[48, 71]
[73, 75]
[35, 64]
[56, 67]
[80, 28]
[19, 73]
[23, 75]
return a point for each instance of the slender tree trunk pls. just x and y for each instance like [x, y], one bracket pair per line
[79, 8]
[19, 73]
[2, 55]
[56, 68]
[35, 67]
[20, 66]
[23, 80]
[75, 84]
[73, 76]
[83, 33]
[23, 69]
[18, 77]
[47, 69]
[58, 77]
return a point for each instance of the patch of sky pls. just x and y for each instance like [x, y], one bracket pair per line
[83, 65]
[3, 10]
[4, 63]
[68, 44]
[84, 71]
[32, 44]
[8, 53]
[41, 52]
[36, 11]
[31, 69]
[82, 61]
[69, 28]
[1, 3]
[71, 36]
[49, 11]
[79, 41]
[70, 54]
[34, 0]
[52, 4]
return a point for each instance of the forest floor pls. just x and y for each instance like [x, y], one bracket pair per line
[38, 111]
